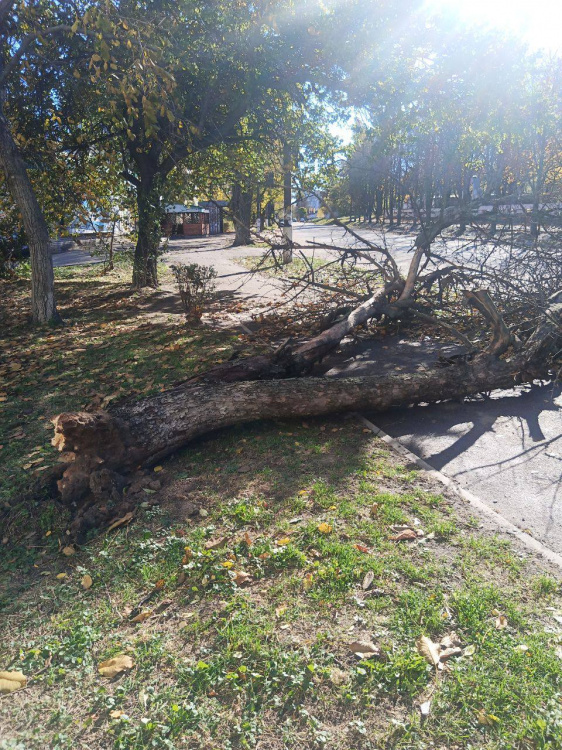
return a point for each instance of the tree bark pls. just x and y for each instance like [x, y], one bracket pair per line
[292, 361]
[138, 433]
[145, 263]
[142, 432]
[43, 307]
[241, 205]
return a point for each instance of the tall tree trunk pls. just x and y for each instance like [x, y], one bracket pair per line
[241, 205]
[43, 307]
[145, 263]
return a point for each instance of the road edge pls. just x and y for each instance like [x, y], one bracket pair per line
[473, 500]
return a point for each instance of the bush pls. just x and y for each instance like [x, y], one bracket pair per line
[196, 285]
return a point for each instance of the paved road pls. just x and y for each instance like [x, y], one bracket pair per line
[74, 258]
[399, 244]
[506, 449]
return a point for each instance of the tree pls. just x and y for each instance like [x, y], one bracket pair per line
[174, 81]
[27, 32]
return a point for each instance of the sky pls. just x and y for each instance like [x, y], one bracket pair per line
[538, 22]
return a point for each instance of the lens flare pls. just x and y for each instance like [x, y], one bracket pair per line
[539, 23]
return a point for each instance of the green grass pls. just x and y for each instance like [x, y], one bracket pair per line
[108, 349]
[306, 511]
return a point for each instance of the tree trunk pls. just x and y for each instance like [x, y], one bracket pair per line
[241, 205]
[293, 361]
[143, 432]
[145, 264]
[43, 307]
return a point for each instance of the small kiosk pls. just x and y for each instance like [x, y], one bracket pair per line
[181, 221]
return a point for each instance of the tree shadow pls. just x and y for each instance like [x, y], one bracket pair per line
[525, 404]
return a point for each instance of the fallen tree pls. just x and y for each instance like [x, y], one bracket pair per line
[104, 449]
[104, 445]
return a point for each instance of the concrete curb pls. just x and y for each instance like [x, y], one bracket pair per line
[479, 505]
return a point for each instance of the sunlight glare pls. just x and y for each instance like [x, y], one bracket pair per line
[539, 23]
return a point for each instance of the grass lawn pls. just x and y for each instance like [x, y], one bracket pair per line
[264, 564]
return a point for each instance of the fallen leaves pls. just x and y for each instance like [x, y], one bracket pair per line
[87, 582]
[501, 622]
[11, 681]
[404, 535]
[438, 653]
[142, 616]
[240, 578]
[325, 528]
[68, 551]
[368, 580]
[112, 667]
[486, 719]
[364, 649]
[428, 649]
[217, 543]
[127, 518]
[338, 677]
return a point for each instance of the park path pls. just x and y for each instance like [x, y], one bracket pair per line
[506, 449]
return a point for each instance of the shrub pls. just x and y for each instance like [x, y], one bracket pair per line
[196, 285]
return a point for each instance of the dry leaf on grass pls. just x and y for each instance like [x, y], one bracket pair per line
[448, 653]
[501, 622]
[405, 535]
[116, 665]
[142, 616]
[450, 641]
[68, 551]
[216, 543]
[127, 518]
[338, 676]
[240, 578]
[368, 580]
[325, 528]
[364, 649]
[87, 582]
[428, 649]
[11, 681]
[362, 548]
[485, 719]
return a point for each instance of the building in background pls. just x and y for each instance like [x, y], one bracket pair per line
[308, 206]
[216, 215]
[184, 221]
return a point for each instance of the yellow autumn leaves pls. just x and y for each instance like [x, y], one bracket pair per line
[16, 680]
[10, 681]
